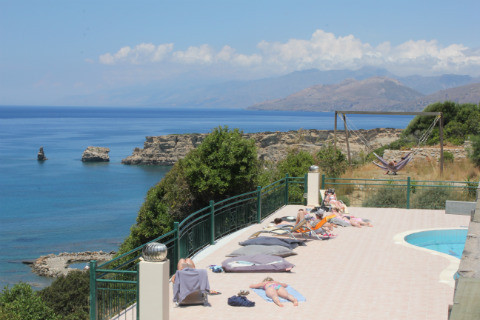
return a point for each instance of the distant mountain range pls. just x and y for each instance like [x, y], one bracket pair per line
[377, 93]
[374, 94]
[363, 89]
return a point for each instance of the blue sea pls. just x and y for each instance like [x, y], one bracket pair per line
[65, 205]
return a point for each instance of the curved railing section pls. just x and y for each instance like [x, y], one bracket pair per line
[114, 284]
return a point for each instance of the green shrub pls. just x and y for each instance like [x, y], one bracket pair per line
[68, 295]
[470, 189]
[333, 163]
[296, 164]
[474, 152]
[431, 197]
[21, 303]
[448, 156]
[387, 197]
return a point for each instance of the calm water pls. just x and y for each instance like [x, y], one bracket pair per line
[64, 205]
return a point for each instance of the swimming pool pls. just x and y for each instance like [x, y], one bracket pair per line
[449, 241]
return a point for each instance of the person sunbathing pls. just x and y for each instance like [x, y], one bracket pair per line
[274, 290]
[345, 221]
[359, 222]
[183, 264]
[331, 199]
[314, 217]
[279, 222]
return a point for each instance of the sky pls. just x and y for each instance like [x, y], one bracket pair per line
[52, 49]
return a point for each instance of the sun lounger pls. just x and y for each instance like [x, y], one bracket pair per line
[282, 229]
[191, 287]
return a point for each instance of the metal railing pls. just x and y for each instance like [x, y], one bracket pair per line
[400, 193]
[114, 284]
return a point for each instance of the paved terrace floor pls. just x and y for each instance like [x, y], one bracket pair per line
[362, 274]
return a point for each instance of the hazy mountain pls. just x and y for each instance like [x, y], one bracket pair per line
[464, 94]
[428, 85]
[196, 92]
[376, 93]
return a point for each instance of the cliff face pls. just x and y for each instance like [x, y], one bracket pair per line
[272, 146]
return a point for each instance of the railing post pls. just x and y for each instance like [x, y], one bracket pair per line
[408, 193]
[323, 182]
[138, 291]
[286, 189]
[93, 290]
[177, 241]
[259, 204]
[212, 222]
[305, 188]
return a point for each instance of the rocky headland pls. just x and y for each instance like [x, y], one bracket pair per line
[54, 265]
[272, 146]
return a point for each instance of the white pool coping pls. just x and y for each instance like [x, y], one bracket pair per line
[446, 276]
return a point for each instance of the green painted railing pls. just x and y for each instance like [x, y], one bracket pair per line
[114, 284]
[400, 193]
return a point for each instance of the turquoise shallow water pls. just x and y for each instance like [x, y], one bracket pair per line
[451, 241]
[64, 205]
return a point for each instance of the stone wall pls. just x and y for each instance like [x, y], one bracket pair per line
[429, 153]
[272, 146]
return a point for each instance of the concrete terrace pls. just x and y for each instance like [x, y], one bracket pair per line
[364, 273]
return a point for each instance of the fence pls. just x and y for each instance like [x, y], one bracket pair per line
[400, 193]
[114, 284]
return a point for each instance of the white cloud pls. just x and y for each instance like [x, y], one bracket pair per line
[140, 54]
[323, 51]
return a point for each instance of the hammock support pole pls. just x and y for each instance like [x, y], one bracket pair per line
[344, 113]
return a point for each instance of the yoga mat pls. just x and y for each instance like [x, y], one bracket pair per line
[290, 290]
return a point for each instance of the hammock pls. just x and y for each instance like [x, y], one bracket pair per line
[393, 167]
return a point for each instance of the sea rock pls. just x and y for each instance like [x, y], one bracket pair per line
[271, 146]
[56, 265]
[41, 155]
[96, 154]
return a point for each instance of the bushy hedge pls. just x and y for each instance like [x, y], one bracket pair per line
[431, 198]
[21, 303]
[68, 296]
[387, 197]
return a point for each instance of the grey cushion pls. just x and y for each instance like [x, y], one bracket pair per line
[256, 263]
[271, 241]
[260, 249]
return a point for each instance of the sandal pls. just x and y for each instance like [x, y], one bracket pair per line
[213, 292]
[243, 293]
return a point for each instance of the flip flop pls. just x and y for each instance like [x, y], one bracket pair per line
[243, 293]
[213, 292]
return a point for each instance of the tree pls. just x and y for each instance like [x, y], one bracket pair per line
[224, 164]
[332, 162]
[296, 164]
[22, 303]
[459, 121]
[68, 295]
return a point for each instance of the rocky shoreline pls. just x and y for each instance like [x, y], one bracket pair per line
[55, 265]
[272, 146]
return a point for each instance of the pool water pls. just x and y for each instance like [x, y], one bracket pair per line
[449, 241]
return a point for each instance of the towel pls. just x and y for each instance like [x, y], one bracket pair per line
[290, 290]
